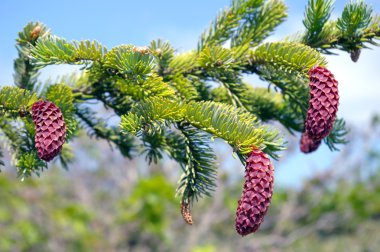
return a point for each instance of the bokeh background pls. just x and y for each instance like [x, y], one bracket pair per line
[325, 201]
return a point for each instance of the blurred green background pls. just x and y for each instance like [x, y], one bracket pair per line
[119, 205]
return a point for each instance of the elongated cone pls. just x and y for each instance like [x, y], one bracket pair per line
[323, 103]
[307, 144]
[257, 193]
[186, 214]
[50, 129]
[355, 54]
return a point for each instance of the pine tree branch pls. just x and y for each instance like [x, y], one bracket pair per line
[26, 73]
[239, 128]
[258, 23]
[54, 50]
[199, 165]
[317, 14]
[14, 100]
[356, 27]
[289, 57]
[226, 22]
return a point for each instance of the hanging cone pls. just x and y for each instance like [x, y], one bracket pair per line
[186, 214]
[50, 129]
[323, 103]
[257, 193]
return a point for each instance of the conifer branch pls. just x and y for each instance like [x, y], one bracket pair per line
[129, 61]
[239, 128]
[289, 57]
[226, 22]
[258, 23]
[317, 14]
[356, 27]
[198, 164]
[163, 53]
[26, 73]
[14, 100]
[54, 50]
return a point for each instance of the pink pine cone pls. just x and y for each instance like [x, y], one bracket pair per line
[50, 129]
[307, 144]
[323, 103]
[257, 193]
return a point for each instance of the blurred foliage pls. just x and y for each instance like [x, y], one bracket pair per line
[97, 210]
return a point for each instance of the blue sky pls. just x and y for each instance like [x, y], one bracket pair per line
[181, 23]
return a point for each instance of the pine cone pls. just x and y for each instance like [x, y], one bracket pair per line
[50, 129]
[307, 144]
[323, 103]
[257, 193]
[186, 214]
[355, 54]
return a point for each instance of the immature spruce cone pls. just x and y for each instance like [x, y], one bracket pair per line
[35, 32]
[323, 103]
[186, 214]
[307, 144]
[355, 54]
[50, 129]
[257, 193]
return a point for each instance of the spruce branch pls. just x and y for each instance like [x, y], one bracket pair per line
[338, 135]
[224, 25]
[54, 50]
[152, 86]
[258, 23]
[155, 112]
[184, 88]
[199, 167]
[237, 127]
[317, 14]
[126, 59]
[163, 53]
[21, 141]
[355, 28]
[14, 100]
[26, 73]
[289, 57]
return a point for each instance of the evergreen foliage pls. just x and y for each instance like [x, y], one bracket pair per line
[175, 103]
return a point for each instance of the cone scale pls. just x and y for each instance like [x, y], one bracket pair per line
[50, 129]
[257, 193]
